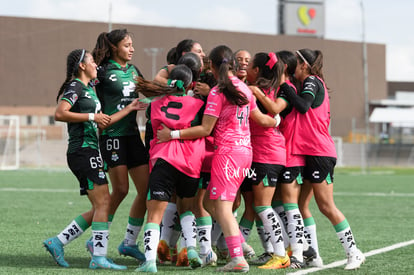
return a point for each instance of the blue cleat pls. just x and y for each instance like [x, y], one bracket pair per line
[55, 247]
[89, 246]
[132, 251]
[147, 266]
[193, 258]
[101, 262]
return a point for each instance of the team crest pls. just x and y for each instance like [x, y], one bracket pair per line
[101, 174]
[115, 156]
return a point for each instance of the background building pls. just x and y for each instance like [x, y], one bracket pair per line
[33, 64]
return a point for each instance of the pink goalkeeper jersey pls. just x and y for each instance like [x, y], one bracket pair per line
[232, 127]
[287, 127]
[312, 136]
[268, 143]
[177, 112]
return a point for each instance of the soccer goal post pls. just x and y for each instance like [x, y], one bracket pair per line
[9, 142]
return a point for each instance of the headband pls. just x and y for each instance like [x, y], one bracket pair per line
[82, 56]
[272, 60]
[303, 58]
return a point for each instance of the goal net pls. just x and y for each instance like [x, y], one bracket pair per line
[9, 142]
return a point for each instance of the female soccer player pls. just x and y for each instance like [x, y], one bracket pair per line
[242, 60]
[312, 139]
[122, 148]
[184, 46]
[264, 73]
[81, 109]
[290, 179]
[229, 106]
[175, 165]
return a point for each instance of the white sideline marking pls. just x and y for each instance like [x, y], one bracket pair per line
[374, 194]
[343, 262]
[38, 190]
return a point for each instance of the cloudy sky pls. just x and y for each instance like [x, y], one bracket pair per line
[386, 22]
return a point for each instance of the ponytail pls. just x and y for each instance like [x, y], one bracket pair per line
[73, 61]
[179, 79]
[223, 61]
[106, 44]
[314, 59]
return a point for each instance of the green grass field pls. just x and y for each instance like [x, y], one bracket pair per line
[37, 204]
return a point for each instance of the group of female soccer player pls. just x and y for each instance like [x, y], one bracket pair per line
[218, 126]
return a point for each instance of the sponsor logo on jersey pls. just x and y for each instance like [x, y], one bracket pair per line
[112, 77]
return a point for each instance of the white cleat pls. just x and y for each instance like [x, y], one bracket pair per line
[355, 260]
[209, 259]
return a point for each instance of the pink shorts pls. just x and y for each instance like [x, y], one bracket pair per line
[227, 173]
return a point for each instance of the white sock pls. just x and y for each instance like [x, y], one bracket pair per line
[281, 216]
[100, 236]
[221, 242]
[204, 234]
[271, 224]
[131, 234]
[151, 240]
[215, 233]
[188, 227]
[71, 232]
[264, 238]
[344, 233]
[309, 232]
[169, 220]
[295, 231]
[245, 227]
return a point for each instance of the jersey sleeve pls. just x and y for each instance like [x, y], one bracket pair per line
[214, 103]
[310, 86]
[72, 92]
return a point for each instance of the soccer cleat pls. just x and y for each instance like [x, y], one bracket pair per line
[289, 251]
[296, 264]
[132, 251]
[222, 254]
[101, 262]
[89, 246]
[309, 254]
[355, 260]
[173, 254]
[163, 252]
[315, 262]
[277, 262]
[182, 259]
[193, 258]
[262, 259]
[237, 264]
[147, 266]
[55, 247]
[209, 259]
[248, 251]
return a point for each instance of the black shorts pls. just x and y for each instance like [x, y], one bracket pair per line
[268, 173]
[125, 150]
[205, 178]
[87, 165]
[289, 174]
[165, 179]
[317, 169]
